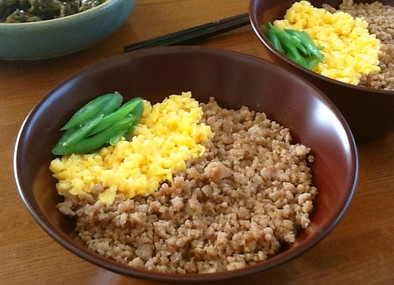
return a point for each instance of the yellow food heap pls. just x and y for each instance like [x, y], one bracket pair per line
[168, 134]
[349, 49]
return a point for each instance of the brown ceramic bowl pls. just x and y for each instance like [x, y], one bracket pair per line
[234, 80]
[368, 112]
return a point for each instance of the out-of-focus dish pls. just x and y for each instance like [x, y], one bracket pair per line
[357, 43]
[19, 11]
[312, 120]
[63, 35]
[356, 40]
[380, 19]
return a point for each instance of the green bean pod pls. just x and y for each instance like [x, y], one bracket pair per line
[138, 110]
[312, 62]
[74, 136]
[296, 45]
[96, 141]
[116, 138]
[309, 44]
[116, 116]
[129, 133]
[113, 104]
[296, 41]
[275, 41]
[296, 57]
[284, 38]
[101, 105]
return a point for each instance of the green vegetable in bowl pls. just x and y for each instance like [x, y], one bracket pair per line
[306, 41]
[92, 143]
[104, 104]
[275, 41]
[101, 121]
[296, 45]
[17, 11]
[75, 135]
[119, 114]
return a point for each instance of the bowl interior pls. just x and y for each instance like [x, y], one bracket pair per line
[234, 80]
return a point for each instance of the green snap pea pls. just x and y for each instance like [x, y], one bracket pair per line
[137, 113]
[75, 136]
[119, 114]
[275, 41]
[289, 45]
[284, 38]
[307, 43]
[296, 45]
[103, 104]
[116, 138]
[310, 45]
[101, 121]
[129, 133]
[96, 141]
[138, 110]
[58, 149]
[113, 104]
[312, 62]
[294, 35]
[67, 134]
[281, 35]
[296, 57]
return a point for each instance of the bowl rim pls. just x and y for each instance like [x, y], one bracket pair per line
[254, 21]
[102, 6]
[116, 267]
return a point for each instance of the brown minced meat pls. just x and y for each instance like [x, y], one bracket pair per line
[380, 20]
[240, 203]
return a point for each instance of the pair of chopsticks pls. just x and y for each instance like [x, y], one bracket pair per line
[193, 34]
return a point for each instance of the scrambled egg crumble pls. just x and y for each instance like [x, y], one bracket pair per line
[168, 134]
[349, 49]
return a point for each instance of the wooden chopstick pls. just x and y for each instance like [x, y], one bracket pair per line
[195, 33]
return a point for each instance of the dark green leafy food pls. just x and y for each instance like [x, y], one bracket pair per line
[99, 122]
[296, 45]
[18, 11]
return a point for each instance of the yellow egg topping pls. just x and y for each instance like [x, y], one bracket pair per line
[168, 134]
[349, 49]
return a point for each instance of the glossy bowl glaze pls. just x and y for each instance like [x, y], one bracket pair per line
[234, 80]
[62, 36]
[368, 112]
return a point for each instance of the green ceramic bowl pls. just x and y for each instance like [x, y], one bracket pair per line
[61, 36]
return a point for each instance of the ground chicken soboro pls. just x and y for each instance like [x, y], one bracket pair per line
[236, 205]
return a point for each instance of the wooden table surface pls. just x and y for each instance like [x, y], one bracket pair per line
[359, 250]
